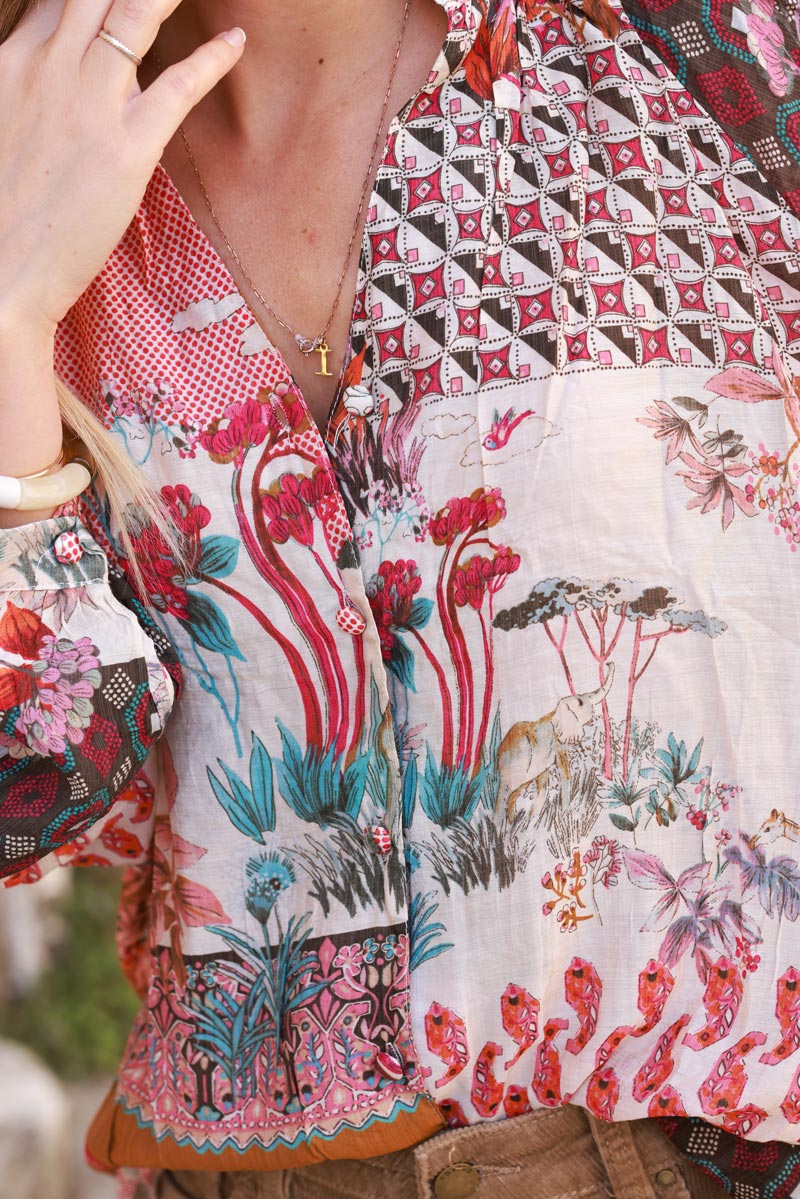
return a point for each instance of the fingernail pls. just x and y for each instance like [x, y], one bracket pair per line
[237, 37]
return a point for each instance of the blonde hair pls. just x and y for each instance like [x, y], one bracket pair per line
[130, 499]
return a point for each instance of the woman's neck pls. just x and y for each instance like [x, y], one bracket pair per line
[283, 146]
[299, 57]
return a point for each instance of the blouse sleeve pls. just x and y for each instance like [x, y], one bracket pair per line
[87, 683]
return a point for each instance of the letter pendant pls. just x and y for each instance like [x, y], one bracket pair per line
[323, 349]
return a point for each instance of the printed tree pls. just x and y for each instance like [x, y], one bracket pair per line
[599, 613]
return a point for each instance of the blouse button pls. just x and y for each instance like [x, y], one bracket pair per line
[350, 620]
[67, 548]
[381, 839]
[390, 1064]
[358, 400]
[458, 1181]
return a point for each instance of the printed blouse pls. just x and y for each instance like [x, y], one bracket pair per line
[481, 790]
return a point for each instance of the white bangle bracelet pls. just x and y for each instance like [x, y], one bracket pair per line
[45, 491]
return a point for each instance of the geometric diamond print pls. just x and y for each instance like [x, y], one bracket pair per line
[743, 1190]
[121, 775]
[78, 789]
[18, 846]
[704, 1139]
[119, 689]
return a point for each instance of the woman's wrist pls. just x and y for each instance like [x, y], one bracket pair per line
[29, 412]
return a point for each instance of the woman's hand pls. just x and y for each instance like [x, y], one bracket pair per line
[79, 141]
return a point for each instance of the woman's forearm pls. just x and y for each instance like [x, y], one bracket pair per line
[30, 424]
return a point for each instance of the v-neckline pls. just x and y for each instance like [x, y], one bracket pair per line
[188, 218]
[214, 255]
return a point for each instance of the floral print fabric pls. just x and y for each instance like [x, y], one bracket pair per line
[479, 794]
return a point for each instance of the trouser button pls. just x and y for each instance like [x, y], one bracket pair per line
[458, 1181]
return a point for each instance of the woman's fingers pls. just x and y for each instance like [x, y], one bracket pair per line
[157, 113]
[135, 23]
[83, 138]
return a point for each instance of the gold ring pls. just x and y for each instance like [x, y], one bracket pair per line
[118, 45]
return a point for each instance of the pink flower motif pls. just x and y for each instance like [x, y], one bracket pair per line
[288, 505]
[468, 514]
[710, 479]
[164, 582]
[669, 426]
[606, 859]
[242, 425]
[391, 596]
[349, 959]
[478, 575]
[765, 41]
[66, 675]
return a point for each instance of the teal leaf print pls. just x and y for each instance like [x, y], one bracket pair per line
[251, 810]
[315, 785]
[401, 664]
[424, 932]
[218, 556]
[409, 791]
[420, 614]
[208, 627]
[447, 793]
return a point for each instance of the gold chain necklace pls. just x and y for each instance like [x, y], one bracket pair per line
[319, 344]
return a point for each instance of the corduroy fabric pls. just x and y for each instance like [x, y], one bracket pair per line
[559, 1154]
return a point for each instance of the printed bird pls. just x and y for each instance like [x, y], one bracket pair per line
[503, 426]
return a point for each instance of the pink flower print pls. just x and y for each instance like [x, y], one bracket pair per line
[349, 960]
[765, 41]
[483, 509]
[288, 505]
[605, 858]
[163, 580]
[66, 675]
[479, 575]
[242, 425]
[391, 595]
[284, 411]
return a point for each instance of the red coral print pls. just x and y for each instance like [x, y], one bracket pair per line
[742, 1122]
[519, 1012]
[655, 985]
[487, 1091]
[787, 1010]
[120, 841]
[446, 1034]
[791, 1102]
[583, 990]
[659, 1065]
[602, 1093]
[547, 1069]
[516, 1101]
[721, 1000]
[453, 1112]
[722, 1090]
[611, 1044]
[666, 1103]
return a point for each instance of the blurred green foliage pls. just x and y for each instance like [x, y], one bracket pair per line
[79, 1014]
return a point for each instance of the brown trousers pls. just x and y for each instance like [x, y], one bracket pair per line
[554, 1154]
